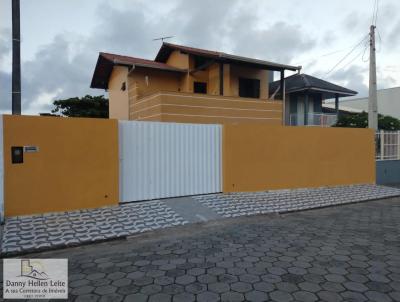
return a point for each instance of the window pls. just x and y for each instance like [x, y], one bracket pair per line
[123, 86]
[249, 88]
[199, 61]
[200, 87]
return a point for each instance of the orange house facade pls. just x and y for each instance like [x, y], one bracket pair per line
[191, 85]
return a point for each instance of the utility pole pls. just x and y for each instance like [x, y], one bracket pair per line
[16, 59]
[372, 99]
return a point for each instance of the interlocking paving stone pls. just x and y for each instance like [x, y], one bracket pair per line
[281, 201]
[281, 296]
[207, 297]
[184, 297]
[232, 297]
[87, 298]
[353, 296]
[328, 244]
[305, 296]
[111, 298]
[40, 232]
[256, 296]
[136, 298]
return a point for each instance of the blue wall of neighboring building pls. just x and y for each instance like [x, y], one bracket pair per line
[387, 172]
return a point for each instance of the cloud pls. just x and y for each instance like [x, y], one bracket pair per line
[5, 77]
[54, 73]
[356, 78]
[5, 42]
[355, 21]
[126, 31]
[198, 25]
[387, 22]
[394, 35]
[328, 39]
[386, 78]
[64, 66]
[5, 92]
[275, 41]
[352, 78]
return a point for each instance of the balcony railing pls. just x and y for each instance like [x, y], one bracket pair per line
[313, 119]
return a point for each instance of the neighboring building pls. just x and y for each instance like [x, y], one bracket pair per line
[330, 108]
[185, 84]
[304, 97]
[388, 102]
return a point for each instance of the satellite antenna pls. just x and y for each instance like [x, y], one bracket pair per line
[163, 38]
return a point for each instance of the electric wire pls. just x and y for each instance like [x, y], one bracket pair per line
[374, 20]
[347, 54]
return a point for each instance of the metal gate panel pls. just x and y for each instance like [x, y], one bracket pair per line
[159, 160]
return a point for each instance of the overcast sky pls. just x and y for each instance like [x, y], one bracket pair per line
[61, 39]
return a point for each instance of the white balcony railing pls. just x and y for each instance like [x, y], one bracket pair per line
[313, 119]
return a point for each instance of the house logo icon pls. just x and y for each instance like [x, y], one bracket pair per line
[34, 270]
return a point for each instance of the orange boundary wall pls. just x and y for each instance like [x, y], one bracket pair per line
[259, 157]
[76, 166]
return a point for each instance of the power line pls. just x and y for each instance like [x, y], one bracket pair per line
[324, 55]
[321, 56]
[365, 49]
[355, 57]
[334, 52]
[373, 12]
[379, 40]
[346, 55]
[376, 12]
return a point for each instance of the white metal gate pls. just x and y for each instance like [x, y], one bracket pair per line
[159, 160]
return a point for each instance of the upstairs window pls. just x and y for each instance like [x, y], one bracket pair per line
[199, 87]
[199, 62]
[249, 88]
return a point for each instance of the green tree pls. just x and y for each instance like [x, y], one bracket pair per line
[87, 106]
[360, 120]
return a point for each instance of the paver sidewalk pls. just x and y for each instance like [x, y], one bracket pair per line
[34, 233]
[283, 201]
[41, 232]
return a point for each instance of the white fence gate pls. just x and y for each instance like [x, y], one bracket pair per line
[387, 145]
[159, 160]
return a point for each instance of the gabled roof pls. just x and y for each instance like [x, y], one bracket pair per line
[305, 82]
[106, 61]
[167, 48]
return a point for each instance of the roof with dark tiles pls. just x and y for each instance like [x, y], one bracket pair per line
[106, 62]
[167, 48]
[304, 82]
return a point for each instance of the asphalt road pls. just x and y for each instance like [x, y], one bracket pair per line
[343, 253]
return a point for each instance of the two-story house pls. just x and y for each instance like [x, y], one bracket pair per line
[185, 84]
